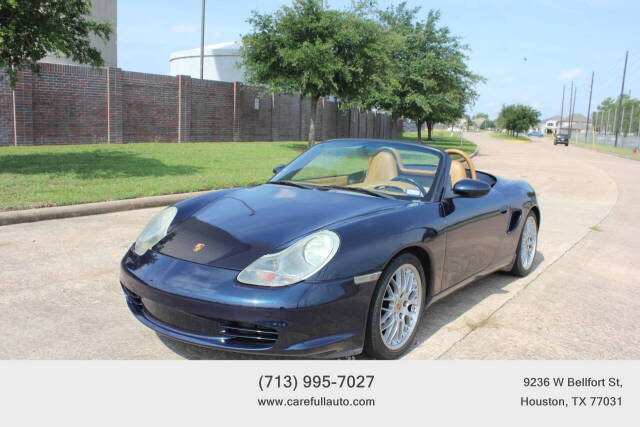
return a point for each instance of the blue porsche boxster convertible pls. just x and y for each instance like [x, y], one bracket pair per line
[340, 252]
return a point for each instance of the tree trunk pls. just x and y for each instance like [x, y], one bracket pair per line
[429, 131]
[419, 126]
[312, 120]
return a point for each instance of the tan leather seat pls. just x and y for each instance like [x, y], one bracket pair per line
[382, 168]
[457, 172]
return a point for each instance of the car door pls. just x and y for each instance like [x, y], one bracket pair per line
[475, 229]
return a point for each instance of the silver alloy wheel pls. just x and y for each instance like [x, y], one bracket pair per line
[528, 243]
[400, 307]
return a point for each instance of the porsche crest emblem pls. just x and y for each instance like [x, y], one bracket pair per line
[198, 247]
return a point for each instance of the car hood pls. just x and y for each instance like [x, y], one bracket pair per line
[236, 229]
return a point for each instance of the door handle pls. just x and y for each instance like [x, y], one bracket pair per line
[504, 209]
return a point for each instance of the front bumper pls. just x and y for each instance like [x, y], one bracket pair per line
[207, 306]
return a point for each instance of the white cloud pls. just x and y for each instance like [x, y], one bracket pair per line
[182, 28]
[567, 75]
[509, 80]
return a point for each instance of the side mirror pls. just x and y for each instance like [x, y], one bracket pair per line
[471, 188]
[278, 169]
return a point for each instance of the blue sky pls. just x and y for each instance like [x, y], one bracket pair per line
[561, 41]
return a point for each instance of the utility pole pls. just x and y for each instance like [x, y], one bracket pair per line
[573, 112]
[624, 74]
[561, 110]
[570, 104]
[589, 108]
[202, 44]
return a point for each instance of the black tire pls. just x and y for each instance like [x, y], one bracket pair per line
[519, 268]
[374, 345]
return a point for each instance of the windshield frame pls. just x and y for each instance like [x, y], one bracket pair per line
[430, 195]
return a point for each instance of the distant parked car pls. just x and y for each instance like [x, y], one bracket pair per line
[535, 133]
[561, 138]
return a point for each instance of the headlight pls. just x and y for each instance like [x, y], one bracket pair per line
[294, 264]
[155, 230]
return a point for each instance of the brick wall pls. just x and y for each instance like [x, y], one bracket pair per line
[66, 104]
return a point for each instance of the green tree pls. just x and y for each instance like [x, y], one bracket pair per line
[30, 29]
[607, 116]
[470, 122]
[429, 80]
[481, 116]
[517, 118]
[316, 52]
[488, 124]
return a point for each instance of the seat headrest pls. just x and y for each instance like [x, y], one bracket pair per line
[382, 168]
[457, 172]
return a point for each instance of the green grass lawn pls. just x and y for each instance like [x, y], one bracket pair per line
[32, 177]
[622, 152]
[441, 139]
[504, 136]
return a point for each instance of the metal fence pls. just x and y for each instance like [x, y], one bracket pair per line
[629, 141]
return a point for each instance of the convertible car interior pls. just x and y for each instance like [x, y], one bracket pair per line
[387, 172]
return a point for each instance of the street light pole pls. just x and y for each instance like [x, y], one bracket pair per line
[589, 109]
[559, 128]
[624, 74]
[202, 44]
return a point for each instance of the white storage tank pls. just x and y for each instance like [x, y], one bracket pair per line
[102, 11]
[220, 62]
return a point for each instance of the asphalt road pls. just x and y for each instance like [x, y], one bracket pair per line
[59, 296]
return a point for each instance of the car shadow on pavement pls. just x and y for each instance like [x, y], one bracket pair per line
[437, 316]
[453, 306]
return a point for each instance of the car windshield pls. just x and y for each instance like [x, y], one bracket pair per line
[563, 135]
[384, 169]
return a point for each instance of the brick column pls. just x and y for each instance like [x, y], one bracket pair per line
[23, 114]
[184, 108]
[236, 112]
[300, 111]
[323, 130]
[114, 105]
[275, 136]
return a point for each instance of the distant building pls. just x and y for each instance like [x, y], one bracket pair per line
[105, 11]
[551, 125]
[221, 62]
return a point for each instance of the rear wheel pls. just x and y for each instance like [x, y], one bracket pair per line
[397, 307]
[527, 246]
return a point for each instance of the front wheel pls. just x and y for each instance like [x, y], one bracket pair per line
[527, 247]
[396, 310]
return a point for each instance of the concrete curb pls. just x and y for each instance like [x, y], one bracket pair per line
[475, 153]
[42, 214]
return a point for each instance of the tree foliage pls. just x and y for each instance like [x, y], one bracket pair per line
[481, 116]
[428, 80]
[316, 52]
[517, 118]
[30, 29]
[488, 124]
